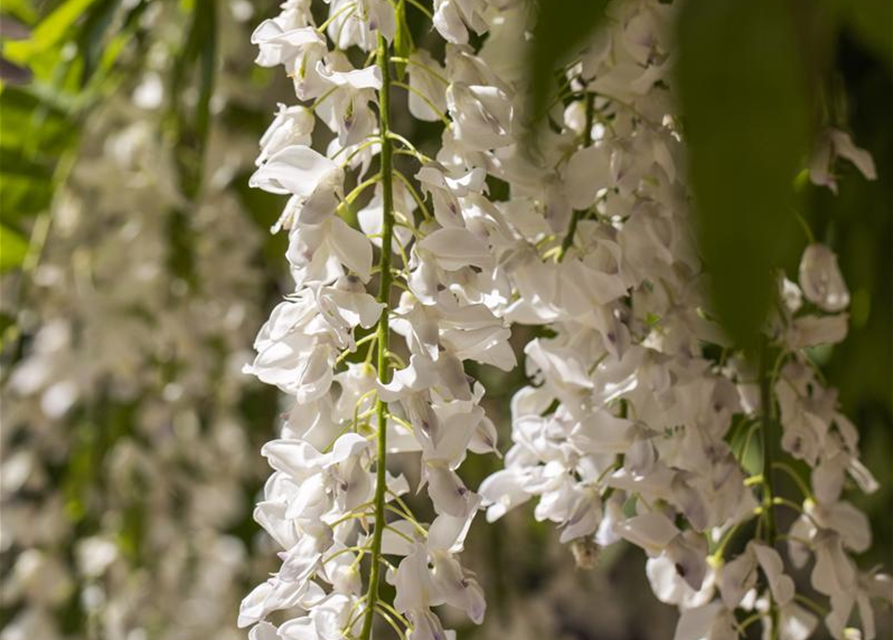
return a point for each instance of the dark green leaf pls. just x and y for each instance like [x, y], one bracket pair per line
[21, 9]
[7, 328]
[192, 122]
[92, 38]
[403, 44]
[13, 248]
[264, 209]
[22, 197]
[181, 246]
[872, 20]
[49, 32]
[742, 88]
[560, 28]
[14, 163]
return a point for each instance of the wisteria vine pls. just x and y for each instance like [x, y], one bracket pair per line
[640, 423]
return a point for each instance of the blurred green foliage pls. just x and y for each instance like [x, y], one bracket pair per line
[745, 121]
[754, 82]
[560, 28]
[858, 223]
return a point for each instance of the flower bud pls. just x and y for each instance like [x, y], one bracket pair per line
[821, 279]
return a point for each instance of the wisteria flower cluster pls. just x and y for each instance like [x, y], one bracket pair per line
[640, 423]
[331, 503]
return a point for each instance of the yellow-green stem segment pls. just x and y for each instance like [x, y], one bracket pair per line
[568, 240]
[384, 372]
[769, 442]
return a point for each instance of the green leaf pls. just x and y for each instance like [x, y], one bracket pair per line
[49, 32]
[14, 163]
[7, 328]
[872, 21]
[264, 209]
[742, 89]
[33, 133]
[13, 248]
[181, 246]
[129, 30]
[23, 113]
[560, 28]
[22, 197]
[92, 38]
[21, 9]
[403, 44]
[191, 125]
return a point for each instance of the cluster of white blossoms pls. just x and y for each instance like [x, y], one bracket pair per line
[359, 397]
[640, 422]
[125, 455]
[639, 419]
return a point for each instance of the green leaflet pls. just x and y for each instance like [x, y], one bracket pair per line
[560, 28]
[197, 64]
[49, 32]
[403, 44]
[872, 22]
[742, 88]
[13, 248]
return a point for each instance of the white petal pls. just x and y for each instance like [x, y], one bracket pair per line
[366, 78]
[455, 248]
[263, 631]
[651, 531]
[352, 248]
[418, 376]
[782, 586]
[295, 169]
[821, 280]
[737, 577]
[586, 173]
[844, 147]
[448, 492]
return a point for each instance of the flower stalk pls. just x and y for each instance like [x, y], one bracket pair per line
[568, 240]
[768, 441]
[383, 331]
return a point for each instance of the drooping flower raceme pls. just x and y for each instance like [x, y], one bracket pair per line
[633, 429]
[359, 396]
[640, 421]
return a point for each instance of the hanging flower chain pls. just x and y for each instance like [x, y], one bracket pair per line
[639, 423]
[331, 502]
[631, 429]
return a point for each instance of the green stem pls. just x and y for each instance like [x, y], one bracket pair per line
[568, 240]
[440, 114]
[789, 470]
[810, 237]
[424, 67]
[812, 604]
[381, 408]
[357, 190]
[419, 200]
[769, 441]
[418, 5]
[351, 6]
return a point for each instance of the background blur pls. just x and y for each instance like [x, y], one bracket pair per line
[137, 267]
